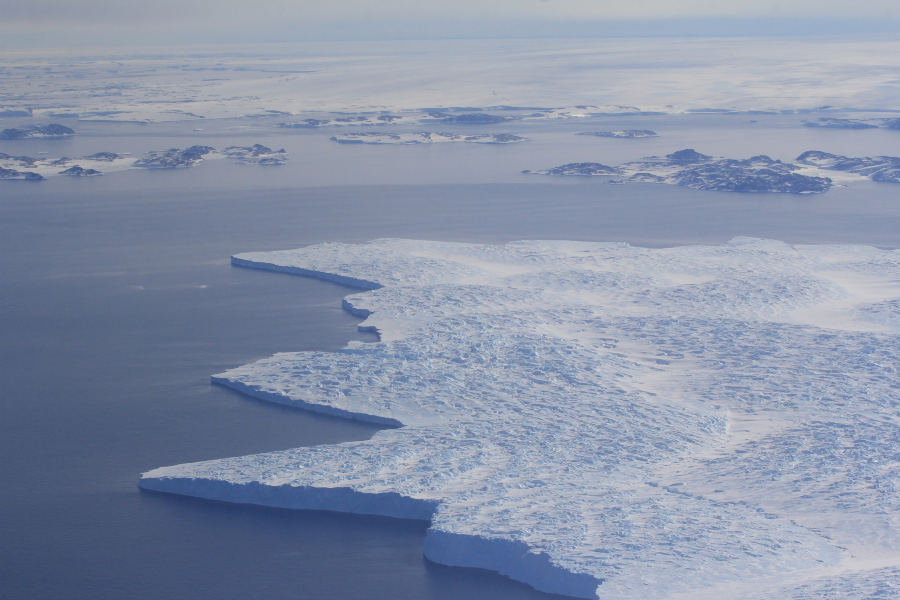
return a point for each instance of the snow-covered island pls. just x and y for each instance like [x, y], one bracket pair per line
[53, 130]
[601, 420]
[174, 158]
[690, 168]
[876, 168]
[14, 167]
[426, 137]
[842, 123]
[623, 133]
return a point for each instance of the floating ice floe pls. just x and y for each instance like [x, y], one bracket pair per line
[601, 420]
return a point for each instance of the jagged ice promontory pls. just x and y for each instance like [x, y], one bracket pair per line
[601, 420]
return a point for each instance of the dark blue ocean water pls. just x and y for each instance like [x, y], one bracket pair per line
[117, 302]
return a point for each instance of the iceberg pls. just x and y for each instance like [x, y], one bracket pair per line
[601, 420]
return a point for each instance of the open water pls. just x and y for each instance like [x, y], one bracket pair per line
[117, 302]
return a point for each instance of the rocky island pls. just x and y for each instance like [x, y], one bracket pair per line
[624, 133]
[37, 131]
[426, 138]
[77, 171]
[876, 168]
[584, 168]
[689, 168]
[13, 167]
[257, 154]
[836, 123]
[15, 174]
[832, 123]
[174, 158]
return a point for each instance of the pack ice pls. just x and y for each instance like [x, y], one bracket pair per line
[601, 420]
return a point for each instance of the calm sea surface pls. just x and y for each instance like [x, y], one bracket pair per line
[117, 302]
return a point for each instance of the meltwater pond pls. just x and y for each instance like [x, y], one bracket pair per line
[118, 302]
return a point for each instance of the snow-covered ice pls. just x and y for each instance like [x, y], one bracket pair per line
[609, 76]
[601, 420]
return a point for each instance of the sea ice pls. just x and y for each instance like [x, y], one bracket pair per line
[601, 420]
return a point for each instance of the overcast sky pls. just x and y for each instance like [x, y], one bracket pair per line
[102, 22]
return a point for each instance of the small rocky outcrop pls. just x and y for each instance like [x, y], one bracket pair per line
[103, 156]
[25, 161]
[256, 154]
[77, 171]
[585, 168]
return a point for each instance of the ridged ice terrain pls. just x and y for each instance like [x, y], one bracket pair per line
[601, 420]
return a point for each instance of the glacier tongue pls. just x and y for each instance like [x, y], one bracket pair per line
[601, 420]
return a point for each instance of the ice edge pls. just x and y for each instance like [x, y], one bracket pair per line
[237, 261]
[513, 559]
[255, 392]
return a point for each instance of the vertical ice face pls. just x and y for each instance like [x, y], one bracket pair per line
[600, 420]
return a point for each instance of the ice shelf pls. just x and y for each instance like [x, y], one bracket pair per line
[601, 420]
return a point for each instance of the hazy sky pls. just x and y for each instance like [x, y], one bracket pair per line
[101, 22]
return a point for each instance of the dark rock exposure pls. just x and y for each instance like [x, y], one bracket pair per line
[758, 174]
[688, 156]
[174, 158]
[624, 133]
[643, 177]
[37, 131]
[876, 168]
[103, 156]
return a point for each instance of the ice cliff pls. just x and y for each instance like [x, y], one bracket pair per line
[601, 420]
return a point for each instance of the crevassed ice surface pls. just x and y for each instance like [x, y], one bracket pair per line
[602, 420]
